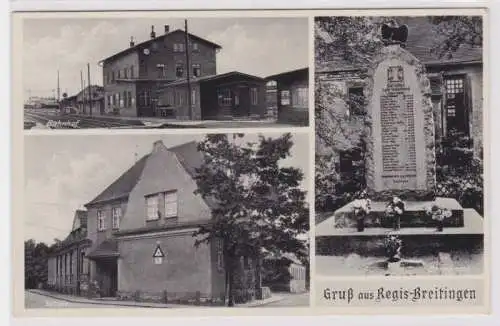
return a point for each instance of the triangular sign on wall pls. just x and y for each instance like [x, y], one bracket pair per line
[158, 252]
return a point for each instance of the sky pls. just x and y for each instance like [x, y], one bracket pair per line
[62, 173]
[257, 46]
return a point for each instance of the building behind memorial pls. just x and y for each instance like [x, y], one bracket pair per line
[456, 87]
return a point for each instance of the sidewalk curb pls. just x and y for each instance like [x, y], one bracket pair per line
[142, 305]
[96, 302]
[263, 302]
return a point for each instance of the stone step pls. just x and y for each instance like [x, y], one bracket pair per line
[413, 244]
[414, 215]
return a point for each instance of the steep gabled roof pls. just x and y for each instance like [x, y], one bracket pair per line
[159, 38]
[191, 159]
[187, 154]
[123, 185]
[80, 219]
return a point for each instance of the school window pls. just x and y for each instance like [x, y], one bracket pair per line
[71, 263]
[152, 208]
[356, 101]
[193, 97]
[254, 96]
[101, 221]
[285, 97]
[171, 204]
[145, 98]
[195, 47]
[82, 260]
[179, 70]
[171, 98]
[196, 70]
[220, 255]
[116, 213]
[300, 97]
[125, 99]
[161, 68]
[180, 98]
[224, 96]
[129, 98]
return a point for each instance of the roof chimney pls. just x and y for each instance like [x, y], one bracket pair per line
[158, 146]
[132, 43]
[153, 34]
[167, 29]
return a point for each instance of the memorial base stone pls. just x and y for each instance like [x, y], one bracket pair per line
[414, 216]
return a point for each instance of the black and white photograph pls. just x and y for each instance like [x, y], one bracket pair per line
[399, 146]
[136, 72]
[166, 221]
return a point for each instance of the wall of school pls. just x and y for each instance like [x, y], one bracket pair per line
[184, 271]
[94, 234]
[162, 173]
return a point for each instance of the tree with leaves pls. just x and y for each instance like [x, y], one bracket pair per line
[35, 263]
[456, 32]
[259, 203]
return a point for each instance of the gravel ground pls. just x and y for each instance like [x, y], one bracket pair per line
[354, 265]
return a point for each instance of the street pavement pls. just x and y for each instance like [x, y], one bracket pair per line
[290, 300]
[37, 301]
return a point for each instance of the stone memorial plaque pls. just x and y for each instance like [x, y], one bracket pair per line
[400, 158]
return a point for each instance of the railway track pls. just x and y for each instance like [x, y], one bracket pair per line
[75, 122]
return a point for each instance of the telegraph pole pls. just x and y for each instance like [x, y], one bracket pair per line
[83, 93]
[188, 69]
[90, 90]
[58, 88]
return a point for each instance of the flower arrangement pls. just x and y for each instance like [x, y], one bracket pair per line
[393, 245]
[361, 208]
[438, 214]
[395, 209]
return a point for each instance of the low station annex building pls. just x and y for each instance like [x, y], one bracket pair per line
[139, 243]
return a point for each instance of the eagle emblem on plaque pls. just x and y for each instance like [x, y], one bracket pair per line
[395, 74]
